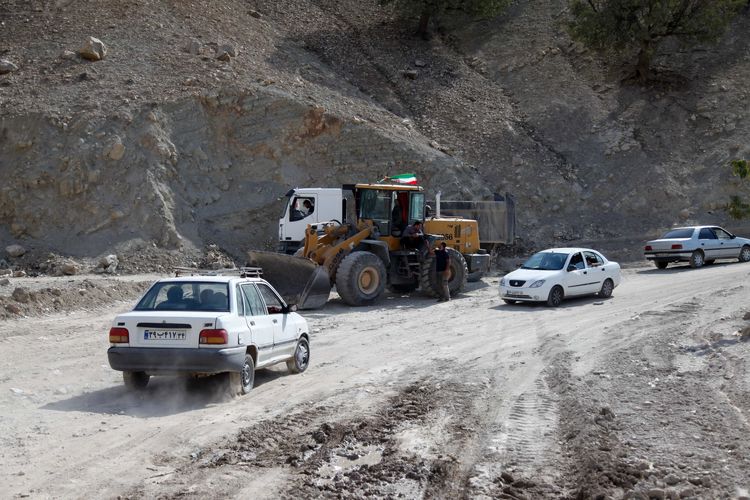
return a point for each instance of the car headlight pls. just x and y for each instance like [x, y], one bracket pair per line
[502, 281]
[537, 284]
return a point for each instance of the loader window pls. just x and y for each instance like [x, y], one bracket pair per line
[416, 206]
[375, 205]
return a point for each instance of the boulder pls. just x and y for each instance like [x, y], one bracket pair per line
[15, 250]
[21, 294]
[226, 52]
[4, 282]
[7, 67]
[108, 264]
[69, 268]
[117, 151]
[93, 49]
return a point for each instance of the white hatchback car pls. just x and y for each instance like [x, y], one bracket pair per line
[552, 275]
[207, 325]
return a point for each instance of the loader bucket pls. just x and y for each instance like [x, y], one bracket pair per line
[299, 280]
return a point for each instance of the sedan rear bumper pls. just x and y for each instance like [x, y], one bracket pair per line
[175, 360]
[668, 256]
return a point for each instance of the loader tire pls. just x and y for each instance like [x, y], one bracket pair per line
[360, 278]
[429, 282]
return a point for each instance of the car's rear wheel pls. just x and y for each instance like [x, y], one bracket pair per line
[511, 302]
[661, 264]
[607, 287]
[301, 358]
[697, 259]
[241, 382]
[136, 380]
[555, 296]
[745, 254]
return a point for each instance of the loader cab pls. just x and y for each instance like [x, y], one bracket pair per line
[391, 208]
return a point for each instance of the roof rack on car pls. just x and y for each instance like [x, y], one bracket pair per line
[242, 272]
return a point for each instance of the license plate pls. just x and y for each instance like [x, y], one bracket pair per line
[163, 335]
[514, 294]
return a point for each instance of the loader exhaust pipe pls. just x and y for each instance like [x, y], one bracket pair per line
[299, 280]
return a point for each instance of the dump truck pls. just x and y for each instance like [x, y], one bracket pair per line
[358, 247]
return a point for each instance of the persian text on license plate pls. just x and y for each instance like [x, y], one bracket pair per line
[163, 335]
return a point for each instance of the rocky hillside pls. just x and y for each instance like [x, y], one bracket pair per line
[202, 114]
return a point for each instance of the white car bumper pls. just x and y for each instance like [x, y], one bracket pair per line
[538, 294]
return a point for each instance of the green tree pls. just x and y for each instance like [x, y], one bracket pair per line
[428, 9]
[635, 28]
[737, 208]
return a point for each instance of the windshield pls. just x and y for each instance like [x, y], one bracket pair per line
[546, 261]
[678, 233]
[185, 296]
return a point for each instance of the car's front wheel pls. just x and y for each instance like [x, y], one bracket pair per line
[745, 254]
[697, 259]
[301, 358]
[136, 380]
[555, 296]
[607, 287]
[241, 382]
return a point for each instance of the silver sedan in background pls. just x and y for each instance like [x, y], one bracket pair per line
[697, 245]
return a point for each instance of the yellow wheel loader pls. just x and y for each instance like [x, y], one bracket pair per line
[360, 250]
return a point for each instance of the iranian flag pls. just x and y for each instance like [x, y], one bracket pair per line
[404, 179]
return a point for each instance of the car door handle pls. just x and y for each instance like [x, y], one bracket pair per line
[275, 321]
[252, 323]
[585, 272]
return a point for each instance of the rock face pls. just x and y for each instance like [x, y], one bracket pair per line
[196, 150]
[93, 49]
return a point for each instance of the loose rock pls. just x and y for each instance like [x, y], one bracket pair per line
[69, 268]
[15, 250]
[21, 294]
[7, 67]
[93, 49]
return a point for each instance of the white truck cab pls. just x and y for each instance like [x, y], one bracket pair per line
[308, 206]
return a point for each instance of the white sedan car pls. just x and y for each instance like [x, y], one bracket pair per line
[205, 325]
[552, 275]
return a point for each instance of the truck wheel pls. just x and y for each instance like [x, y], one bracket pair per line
[301, 358]
[660, 264]
[429, 281]
[360, 278]
[696, 259]
[240, 383]
[136, 380]
[745, 254]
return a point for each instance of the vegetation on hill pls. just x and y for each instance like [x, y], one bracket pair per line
[635, 28]
[429, 9]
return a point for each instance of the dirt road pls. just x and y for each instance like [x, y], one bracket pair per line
[647, 392]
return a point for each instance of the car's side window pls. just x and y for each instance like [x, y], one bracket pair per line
[273, 302]
[723, 235]
[593, 260]
[240, 301]
[253, 303]
[706, 234]
[577, 261]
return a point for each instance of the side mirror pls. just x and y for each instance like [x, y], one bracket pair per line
[571, 268]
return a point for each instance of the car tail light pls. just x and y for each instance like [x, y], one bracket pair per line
[213, 337]
[648, 247]
[119, 335]
[676, 246]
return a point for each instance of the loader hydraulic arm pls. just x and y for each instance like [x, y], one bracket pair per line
[329, 248]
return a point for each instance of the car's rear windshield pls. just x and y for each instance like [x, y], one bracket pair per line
[546, 261]
[186, 296]
[678, 233]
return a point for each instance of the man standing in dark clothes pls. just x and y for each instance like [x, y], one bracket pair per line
[442, 267]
